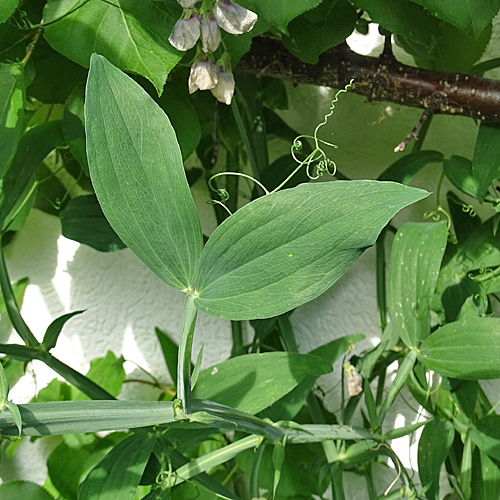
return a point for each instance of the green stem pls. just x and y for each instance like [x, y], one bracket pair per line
[12, 307]
[381, 280]
[287, 334]
[370, 485]
[237, 333]
[254, 477]
[188, 322]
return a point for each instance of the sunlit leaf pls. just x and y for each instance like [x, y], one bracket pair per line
[486, 434]
[467, 349]
[23, 489]
[132, 35]
[417, 252]
[12, 90]
[138, 175]
[120, 471]
[286, 248]
[7, 8]
[252, 382]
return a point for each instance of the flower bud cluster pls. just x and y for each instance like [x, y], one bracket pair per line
[203, 24]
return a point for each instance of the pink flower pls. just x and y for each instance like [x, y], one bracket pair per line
[203, 75]
[210, 34]
[185, 33]
[188, 4]
[224, 89]
[233, 18]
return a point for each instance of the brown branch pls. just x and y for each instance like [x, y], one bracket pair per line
[380, 78]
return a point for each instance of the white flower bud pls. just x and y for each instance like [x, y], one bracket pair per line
[188, 4]
[203, 75]
[185, 33]
[224, 89]
[233, 18]
[210, 34]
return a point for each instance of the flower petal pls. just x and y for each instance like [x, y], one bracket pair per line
[203, 75]
[210, 34]
[224, 89]
[233, 18]
[185, 33]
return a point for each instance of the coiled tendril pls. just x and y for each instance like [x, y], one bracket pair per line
[316, 163]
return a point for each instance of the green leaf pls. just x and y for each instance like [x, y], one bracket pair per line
[471, 16]
[71, 417]
[34, 146]
[287, 248]
[486, 434]
[279, 12]
[55, 328]
[139, 177]
[170, 352]
[24, 490]
[119, 473]
[485, 477]
[73, 126]
[459, 172]
[4, 387]
[252, 382]
[82, 220]
[184, 119]
[12, 94]
[19, 288]
[74, 458]
[308, 39]
[107, 372]
[443, 56]
[433, 447]
[7, 8]
[336, 348]
[16, 415]
[404, 17]
[486, 162]
[417, 253]
[132, 35]
[55, 75]
[404, 169]
[467, 349]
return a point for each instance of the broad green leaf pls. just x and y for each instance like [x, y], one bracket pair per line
[34, 146]
[16, 415]
[82, 220]
[464, 220]
[120, 471]
[467, 349]
[23, 489]
[471, 16]
[279, 12]
[108, 372]
[485, 477]
[73, 126]
[459, 172]
[56, 76]
[308, 39]
[55, 328]
[454, 297]
[332, 351]
[404, 169]
[486, 434]
[404, 17]
[486, 162]
[416, 257]
[455, 52]
[286, 248]
[7, 8]
[184, 119]
[12, 93]
[252, 382]
[72, 417]
[433, 447]
[132, 35]
[74, 458]
[137, 172]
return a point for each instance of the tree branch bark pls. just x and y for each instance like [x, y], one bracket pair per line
[380, 78]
